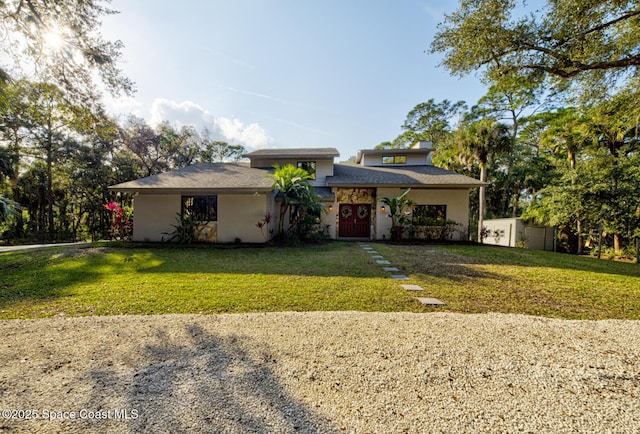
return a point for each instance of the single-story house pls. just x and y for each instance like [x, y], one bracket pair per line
[230, 198]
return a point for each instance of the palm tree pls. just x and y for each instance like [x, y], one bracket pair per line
[8, 208]
[397, 212]
[296, 191]
[483, 140]
[565, 135]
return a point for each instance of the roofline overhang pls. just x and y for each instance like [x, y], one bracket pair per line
[421, 186]
[286, 153]
[148, 190]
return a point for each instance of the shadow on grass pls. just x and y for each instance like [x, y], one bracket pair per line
[45, 275]
[208, 384]
[337, 259]
[456, 262]
[37, 275]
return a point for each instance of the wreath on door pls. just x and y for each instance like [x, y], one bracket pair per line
[346, 212]
[363, 211]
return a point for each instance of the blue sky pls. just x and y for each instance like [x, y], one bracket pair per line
[284, 73]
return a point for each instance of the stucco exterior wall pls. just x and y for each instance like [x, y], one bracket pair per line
[153, 215]
[324, 167]
[328, 219]
[457, 202]
[238, 215]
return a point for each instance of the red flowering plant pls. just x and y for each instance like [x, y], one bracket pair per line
[264, 224]
[121, 222]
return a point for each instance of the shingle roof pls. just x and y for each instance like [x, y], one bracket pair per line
[294, 153]
[239, 176]
[352, 175]
[324, 192]
[205, 176]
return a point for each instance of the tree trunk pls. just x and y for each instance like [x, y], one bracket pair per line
[14, 184]
[580, 240]
[514, 208]
[481, 200]
[617, 242]
[50, 186]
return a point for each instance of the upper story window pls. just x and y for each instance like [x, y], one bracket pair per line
[394, 159]
[309, 166]
[202, 208]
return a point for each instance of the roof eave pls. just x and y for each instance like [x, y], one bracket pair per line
[405, 185]
[188, 190]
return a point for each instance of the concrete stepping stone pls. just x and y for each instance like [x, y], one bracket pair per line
[368, 248]
[383, 262]
[413, 287]
[431, 301]
[399, 277]
[390, 268]
[372, 252]
[377, 257]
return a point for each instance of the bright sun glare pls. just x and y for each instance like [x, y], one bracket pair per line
[54, 40]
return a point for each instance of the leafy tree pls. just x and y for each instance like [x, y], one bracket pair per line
[60, 41]
[179, 148]
[214, 151]
[144, 143]
[613, 126]
[50, 123]
[428, 121]
[593, 41]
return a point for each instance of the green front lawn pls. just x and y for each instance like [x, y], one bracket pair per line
[163, 279]
[495, 279]
[139, 279]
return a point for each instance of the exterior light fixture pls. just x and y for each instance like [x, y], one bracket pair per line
[382, 208]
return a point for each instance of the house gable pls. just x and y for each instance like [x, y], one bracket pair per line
[319, 159]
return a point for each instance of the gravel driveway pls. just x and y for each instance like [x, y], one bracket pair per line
[320, 372]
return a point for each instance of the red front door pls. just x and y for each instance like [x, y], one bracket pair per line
[354, 220]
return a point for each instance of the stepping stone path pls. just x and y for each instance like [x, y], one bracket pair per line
[413, 287]
[399, 277]
[433, 301]
[381, 261]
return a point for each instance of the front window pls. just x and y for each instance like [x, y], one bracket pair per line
[429, 215]
[309, 166]
[394, 159]
[202, 208]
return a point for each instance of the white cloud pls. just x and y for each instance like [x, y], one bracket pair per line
[235, 131]
[182, 113]
[252, 135]
[122, 106]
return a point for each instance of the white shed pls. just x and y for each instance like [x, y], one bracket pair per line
[512, 232]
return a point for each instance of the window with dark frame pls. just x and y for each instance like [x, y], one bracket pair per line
[309, 166]
[427, 215]
[202, 208]
[394, 159]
